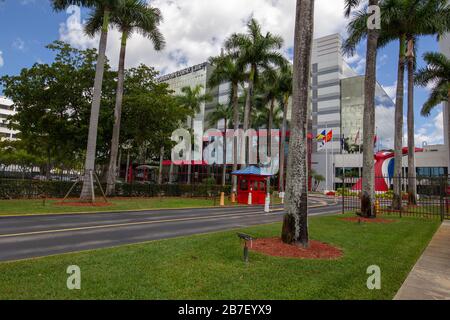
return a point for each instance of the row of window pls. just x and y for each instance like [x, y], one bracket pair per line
[421, 172]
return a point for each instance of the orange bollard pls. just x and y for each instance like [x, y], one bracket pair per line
[222, 199]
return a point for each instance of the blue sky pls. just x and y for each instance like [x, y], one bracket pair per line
[29, 25]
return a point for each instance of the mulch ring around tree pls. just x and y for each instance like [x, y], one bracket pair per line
[83, 204]
[367, 220]
[276, 248]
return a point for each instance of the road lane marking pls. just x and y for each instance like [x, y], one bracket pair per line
[107, 226]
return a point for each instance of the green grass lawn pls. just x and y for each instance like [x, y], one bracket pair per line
[11, 207]
[210, 266]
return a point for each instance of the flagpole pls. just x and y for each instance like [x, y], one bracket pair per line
[359, 152]
[326, 156]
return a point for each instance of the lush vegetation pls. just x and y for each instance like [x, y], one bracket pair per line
[210, 266]
[53, 104]
[34, 189]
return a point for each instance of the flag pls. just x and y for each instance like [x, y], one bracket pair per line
[375, 140]
[329, 136]
[357, 137]
[321, 136]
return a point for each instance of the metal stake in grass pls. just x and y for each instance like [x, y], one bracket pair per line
[246, 238]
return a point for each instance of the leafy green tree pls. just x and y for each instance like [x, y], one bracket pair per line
[192, 99]
[130, 16]
[13, 152]
[257, 52]
[150, 114]
[53, 106]
[102, 10]
[436, 73]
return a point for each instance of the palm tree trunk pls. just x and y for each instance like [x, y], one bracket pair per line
[283, 144]
[224, 168]
[111, 179]
[248, 111]
[368, 181]
[189, 173]
[160, 173]
[87, 192]
[412, 189]
[398, 144]
[269, 129]
[295, 224]
[236, 128]
[448, 128]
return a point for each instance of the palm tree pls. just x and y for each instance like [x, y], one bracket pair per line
[278, 86]
[403, 21]
[372, 34]
[129, 17]
[295, 224]
[106, 7]
[256, 52]
[192, 99]
[286, 91]
[436, 73]
[269, 91]
[222, 113]
[419, 24]
[228, 69]
[265, 118]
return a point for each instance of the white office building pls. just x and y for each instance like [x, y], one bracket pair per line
[6, 110]
[191, 77]
[444, 46]
[337, 104]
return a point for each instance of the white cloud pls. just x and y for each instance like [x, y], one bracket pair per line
[430, 132]
[195, 29]
[2, 62]
[391, 91]
[357, 62]
[384, 122]
[19, 44]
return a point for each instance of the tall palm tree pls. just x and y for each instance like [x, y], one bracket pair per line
[295, 224]
[265, 118]
[192, 99]
[224, 113]
[269, 91]
[228, 69]
[106, 7]
[130, 16]
[372, 34]
[257, 52]
[436, 73]
[403, 21]
[285, 87]
[420, 24]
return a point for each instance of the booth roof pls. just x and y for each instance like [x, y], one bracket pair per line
[250, 171]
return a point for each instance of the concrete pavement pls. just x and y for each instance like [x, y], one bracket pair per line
[430, 277]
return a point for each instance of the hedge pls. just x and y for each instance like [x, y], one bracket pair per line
[33, 189]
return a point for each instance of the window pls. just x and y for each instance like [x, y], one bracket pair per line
[244, 185]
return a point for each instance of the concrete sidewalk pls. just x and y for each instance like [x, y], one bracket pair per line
[430, 277]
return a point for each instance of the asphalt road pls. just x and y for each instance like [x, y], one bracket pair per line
[36, 236]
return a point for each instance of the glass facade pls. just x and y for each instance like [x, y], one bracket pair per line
[352, 107]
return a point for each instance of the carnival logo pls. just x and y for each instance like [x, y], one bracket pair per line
[215, 147]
